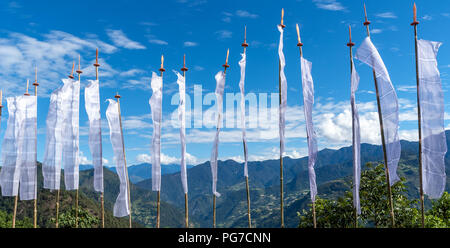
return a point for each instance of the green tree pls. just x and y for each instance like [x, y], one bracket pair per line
[6, 221]
[85, 219]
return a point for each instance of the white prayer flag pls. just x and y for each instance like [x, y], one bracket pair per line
[51, 167]
[220, 86]
[356, 141]
[156, 109]
[19, 149]
[181, 81]
[121, 206]
[92, 104]
[308, 101]
[242, 64]
[283, 91]
[368, 54]
[71, 135]
[431, 97]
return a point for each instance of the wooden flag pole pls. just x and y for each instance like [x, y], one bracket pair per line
[422, 205]
[35, 84]
[186, 210]
[245, 45]
[281, 155]
[117, 96]
[79, 71]
[102, 201]
[350, 44]
[300, 45]
[225, 66]
[380, 117]
[158, 200]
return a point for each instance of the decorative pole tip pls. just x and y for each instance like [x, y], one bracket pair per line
[117, 96]
[245, 38]
[71, 74]
[415, 22]
[35, 77]
[162, 64]
[226, 61]
[184, 63]
[299, 44]
[282, 19]
[96, 58]
[26, 92]
[350, 44]
[79, 71]
[367, 22]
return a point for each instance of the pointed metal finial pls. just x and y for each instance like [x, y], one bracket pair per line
[96, 58]
[245, 38]
[162, 64]
[226, 60]
[350, 43]
[299, 44]
[28, 84]
[35, 77]
[71, 74]
[415, 22]
[117, 96]
[79, 71]
[184, 63]
[282, 18]
[367, 22]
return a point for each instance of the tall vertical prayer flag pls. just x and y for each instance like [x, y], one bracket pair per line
[121, 206]
[181, 81]
[156, 108]
[356, 140]
[283, 92]
[220, 86]
[368, 54]
[92, 104]
[19, 149]
[242, 64]
[308, 101]
[431, 97]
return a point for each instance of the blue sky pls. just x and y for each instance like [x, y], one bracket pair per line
[132, 35]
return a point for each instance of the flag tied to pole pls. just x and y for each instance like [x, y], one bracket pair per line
[242, 64]
[121, 206]
[431, 97]
[70, 140]
[92, 105]
[283, 92]
[19, 149]
[356, 141]
[156, 109]
[181, 81]
[368, 54]
[220, 86]
[308, 101]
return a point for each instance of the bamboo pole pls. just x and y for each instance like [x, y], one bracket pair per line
[422, 205]
[186, 209]
[102, 200]
[350, 44]
[245, 45]
[35, 84]
[300, 45]
[117, 96]
[281, 155]
[158, 200]
[380, 117]
[225, 66]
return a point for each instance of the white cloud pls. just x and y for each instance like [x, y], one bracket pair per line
[131, 72]
[121, 40]
[407, 88]
[246, 14]
[332, 5]
[190, 44]
[376, 31]
[158, 42]
[387, 15]
[427, 17]
[224, 34]
[166, 159]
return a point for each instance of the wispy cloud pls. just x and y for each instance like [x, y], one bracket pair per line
[387, 15]
[119, 39]
[427, 17]
[224, 34]
[190, 44]
[332, 5]
[246, 14]
[158, 42]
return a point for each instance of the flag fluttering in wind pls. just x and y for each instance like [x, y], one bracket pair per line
[181, 81]
[242, 64]
[368, 54]
[92, 104]
[51, 166]
[71, 149]
[283, 92]
[308, 101]
[434, 144]
[220, 86]
[19, 149]
[121, 206]
[356, 141]
[156, 108]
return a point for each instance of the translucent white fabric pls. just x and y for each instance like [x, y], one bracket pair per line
[356, 140]
[431, 97]
[92, 105]
[71, 109]
[368, 54]
[181, 81]
[19, 149]
[51, 166]
[156, 109]
[242, 64]
[220, 86]
[308, 101]
[283, 91]
[121, 206]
